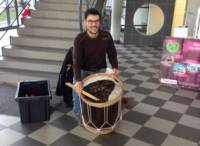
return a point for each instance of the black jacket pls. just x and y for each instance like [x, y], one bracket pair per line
[66, 75]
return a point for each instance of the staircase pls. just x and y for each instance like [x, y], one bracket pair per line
[37, 51]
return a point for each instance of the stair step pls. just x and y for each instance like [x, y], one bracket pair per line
[13, 76]
[47, 32]
[11, 51]
[52, 23]
[58, 6]
[55, 14]
[43, 49]
[41, 42]
[30, 64]
[63, 1]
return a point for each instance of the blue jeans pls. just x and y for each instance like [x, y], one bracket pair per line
[76, 98]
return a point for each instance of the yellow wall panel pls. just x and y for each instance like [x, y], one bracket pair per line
[179, 12]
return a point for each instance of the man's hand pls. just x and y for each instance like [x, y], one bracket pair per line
[78, 87]
[115, 71]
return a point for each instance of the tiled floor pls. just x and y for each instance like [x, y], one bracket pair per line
[158, 115]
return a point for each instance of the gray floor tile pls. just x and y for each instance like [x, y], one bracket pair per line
[137, 96]
[174, 106]
[70, 140]
[128, 87]
[127, 128]
[8, 137]
[7, 120]
[28, 142]
[136, 142]
[187, 93]
[195, 103]
[136, 117]
[47, 134]
[114, 139]
[168, 115]
[177, 141]
[161, 95]
[146, 109]
[149, 85]
[190, 121]
[186, 133]
[82, 132]
[65, 122]
[151, 136]
[94, 144]
[140, 77]
[160, 124]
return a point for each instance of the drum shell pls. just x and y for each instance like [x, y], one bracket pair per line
[104, 116]
[101, 117]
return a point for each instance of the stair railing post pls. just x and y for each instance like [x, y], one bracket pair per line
[16, 11]
[80, 15]
[8, 12]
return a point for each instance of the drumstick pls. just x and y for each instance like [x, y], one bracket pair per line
[83, 92]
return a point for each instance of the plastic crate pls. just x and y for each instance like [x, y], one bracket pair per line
[33, 98]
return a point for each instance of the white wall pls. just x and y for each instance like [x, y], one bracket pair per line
[191, 15]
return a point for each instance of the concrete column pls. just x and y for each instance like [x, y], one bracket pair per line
[116, 19]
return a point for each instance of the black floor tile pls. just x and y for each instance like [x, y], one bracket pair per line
[126, 74]
[154, 80]
[131, 104]
[28, 142]
[113, 139]
[167, 89]
[70, 140]
[26, 128]
[154, 101]
[143, 90]
[151, 136]
[139, 67]
[136, 117]
[182, 100]
[134, 81]
[65, 122]
[193, 111]
[146, 73]
[168, 115]
[186, 132]
[121, 67]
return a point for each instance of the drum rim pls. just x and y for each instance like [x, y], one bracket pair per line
[108, 103]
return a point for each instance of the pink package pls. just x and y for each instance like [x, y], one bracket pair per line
[180, 63]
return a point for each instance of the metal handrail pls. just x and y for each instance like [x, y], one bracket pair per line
[17, 16]
[6, 7]
[2, 2]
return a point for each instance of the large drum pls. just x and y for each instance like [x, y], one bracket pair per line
[101, 116]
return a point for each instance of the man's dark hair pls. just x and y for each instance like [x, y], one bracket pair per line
[92, 11]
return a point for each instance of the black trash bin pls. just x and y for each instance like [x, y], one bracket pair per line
[33, 98]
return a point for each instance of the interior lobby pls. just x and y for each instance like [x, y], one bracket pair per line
[163, 109]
